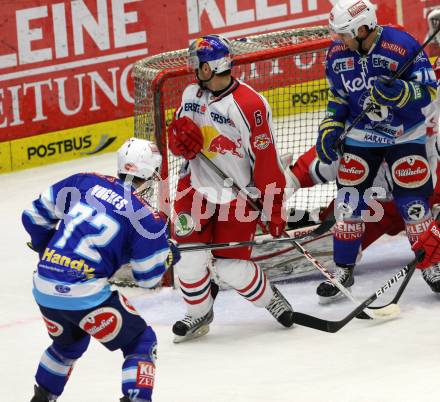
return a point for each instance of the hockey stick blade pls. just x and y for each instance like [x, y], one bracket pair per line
[391, 310]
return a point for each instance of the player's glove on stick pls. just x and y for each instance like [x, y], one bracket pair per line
[329, 132]
[395, 94]
[173, 255]
[429, 242]
[185, 138]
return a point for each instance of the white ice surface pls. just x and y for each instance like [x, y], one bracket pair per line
[247, 356]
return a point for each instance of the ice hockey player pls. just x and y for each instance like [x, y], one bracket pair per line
[308, 171]
[231, 124]
[358, 66]
[433, 19]
[84, 228]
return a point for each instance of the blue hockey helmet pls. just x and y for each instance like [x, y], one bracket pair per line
[212, 49]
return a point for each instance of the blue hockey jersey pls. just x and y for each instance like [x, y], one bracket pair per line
[84, 228]
[351, 75]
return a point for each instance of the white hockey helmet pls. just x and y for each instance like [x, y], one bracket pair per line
[139, 158]
[347, 16]
[433, 21]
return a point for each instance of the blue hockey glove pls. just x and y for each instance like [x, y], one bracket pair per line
[394, 94]
[173, 256]
[329, 132]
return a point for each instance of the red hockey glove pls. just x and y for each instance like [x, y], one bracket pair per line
[429, 242]
[277, 223]
[185, 138]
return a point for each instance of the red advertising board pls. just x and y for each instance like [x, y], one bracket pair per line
[67, 64]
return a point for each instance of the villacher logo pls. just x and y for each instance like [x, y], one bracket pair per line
[411, 171]
[53, 327]
[352, 170]
[103, 324]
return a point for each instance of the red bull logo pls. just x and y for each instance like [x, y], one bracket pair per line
[203, 44]
[222, 145]
[261, 141]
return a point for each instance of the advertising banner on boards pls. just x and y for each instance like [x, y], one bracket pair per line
[65, 66]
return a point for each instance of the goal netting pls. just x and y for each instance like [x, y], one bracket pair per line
[287, 67]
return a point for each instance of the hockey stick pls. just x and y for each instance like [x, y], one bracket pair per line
[395, 76]
[402, 287]
[325, 226]
[393, 310]
[396, 298]
[296, 245]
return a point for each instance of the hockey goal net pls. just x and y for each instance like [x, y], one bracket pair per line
[287, 67]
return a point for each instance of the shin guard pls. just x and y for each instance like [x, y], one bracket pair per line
[138, 370]
[247, 278]
[56, 365]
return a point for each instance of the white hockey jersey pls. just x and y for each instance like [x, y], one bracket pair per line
[238, 138]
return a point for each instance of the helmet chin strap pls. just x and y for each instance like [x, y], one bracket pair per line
[360, 41]
[201, 82]
[361, 50]
[146, 189]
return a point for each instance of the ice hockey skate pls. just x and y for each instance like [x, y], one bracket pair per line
[432, 277]
[191, 328]
[280, 308]
[328, 292]
[41, 395]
